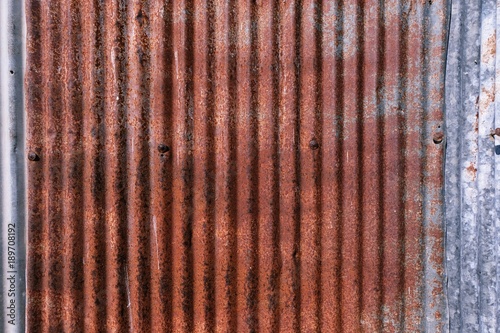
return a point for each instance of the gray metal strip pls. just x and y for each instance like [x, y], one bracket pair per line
[471, 198]
[12, 166]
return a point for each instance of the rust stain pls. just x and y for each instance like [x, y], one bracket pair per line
[203, 166]
[472, 169]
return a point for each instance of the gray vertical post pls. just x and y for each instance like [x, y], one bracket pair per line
[12, 166]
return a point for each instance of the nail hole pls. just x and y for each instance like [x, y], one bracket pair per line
[12, 72]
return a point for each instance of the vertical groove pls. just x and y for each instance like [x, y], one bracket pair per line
[232, 144]
[93, 86]
[339, 110]
[210, 285]
[318, 163]
[53, 169]
[276, 270]
[203, 229]
[402, 153]
[34, 125]
[297, 213]
[380, 96]
[360, 128]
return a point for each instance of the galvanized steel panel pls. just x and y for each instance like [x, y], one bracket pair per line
[473, 168]
[12, 168]
[235, 165]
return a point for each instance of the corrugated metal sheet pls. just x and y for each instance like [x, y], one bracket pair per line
[473, 168]
[235, 165]
[12, 168]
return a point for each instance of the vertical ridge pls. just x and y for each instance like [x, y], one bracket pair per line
[116, 166]
[434, 307]
[72, 269]
[182, 168]
[267, 306]
[412, 170]
[247, 271]
[351, 160]
[138, 213]
[392, 298]
[330, 247]
[370, 250]
[289, 279]
[224, 218]
[310, 155]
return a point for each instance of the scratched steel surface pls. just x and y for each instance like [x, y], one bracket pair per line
[12, 168]
[473, 167]
[238, 165]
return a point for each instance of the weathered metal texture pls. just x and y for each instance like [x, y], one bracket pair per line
[236, 165]
[473, 167]
[12, 168]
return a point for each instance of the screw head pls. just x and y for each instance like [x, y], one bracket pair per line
[162, 148]
[313, 144]
[32, 156]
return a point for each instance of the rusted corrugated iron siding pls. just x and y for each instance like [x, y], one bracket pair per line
[235, 165]
[473, 167]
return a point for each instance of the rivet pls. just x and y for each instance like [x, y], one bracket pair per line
[313, 144]
[438, 137]
[162, 148]
[32, 156]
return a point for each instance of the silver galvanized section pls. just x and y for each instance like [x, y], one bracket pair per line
[12, 170]
[472, 167]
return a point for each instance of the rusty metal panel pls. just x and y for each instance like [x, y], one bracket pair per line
[473, 168]
[12, 168]
[236, 165]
